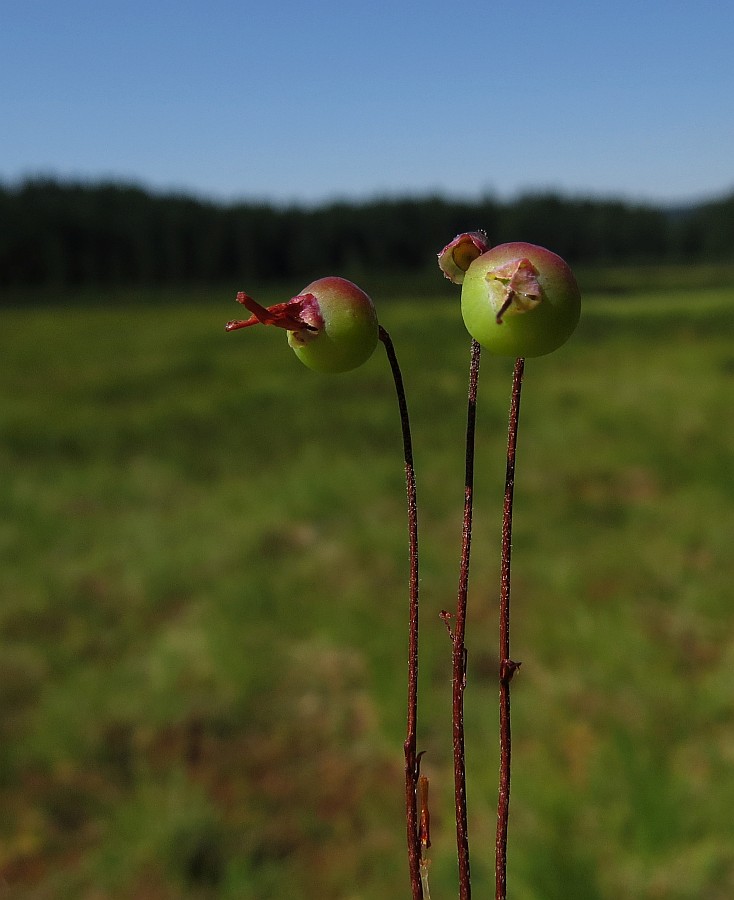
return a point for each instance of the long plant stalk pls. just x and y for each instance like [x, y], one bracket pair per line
[410, 747]
[507, 666]
[459, 656]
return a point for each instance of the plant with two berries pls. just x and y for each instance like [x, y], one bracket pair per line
[517, 300]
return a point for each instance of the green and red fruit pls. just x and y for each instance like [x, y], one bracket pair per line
[344, 328]
[332, 324]
[519, 299]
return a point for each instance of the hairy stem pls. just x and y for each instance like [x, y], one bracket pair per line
[459, 656]
[411, 756]
[507, 666]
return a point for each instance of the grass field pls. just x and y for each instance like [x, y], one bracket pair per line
[203, 603]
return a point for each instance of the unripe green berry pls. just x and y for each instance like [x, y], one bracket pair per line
[343, 328]
[519, 299]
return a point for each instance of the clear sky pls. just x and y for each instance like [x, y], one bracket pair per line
[295, 101]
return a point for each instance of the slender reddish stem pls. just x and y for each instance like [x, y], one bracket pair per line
[507, 666]
[459, 655]
[411, 757]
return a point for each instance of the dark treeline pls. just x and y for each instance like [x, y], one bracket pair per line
[69, 235]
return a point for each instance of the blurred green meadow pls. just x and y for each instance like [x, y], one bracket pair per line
[203, 601]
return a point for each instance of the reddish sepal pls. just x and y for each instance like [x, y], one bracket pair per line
[282, 315]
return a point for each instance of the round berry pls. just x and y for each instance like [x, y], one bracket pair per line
[341, 329]
[519, 299]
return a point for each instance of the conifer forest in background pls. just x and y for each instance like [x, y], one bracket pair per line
[64, 234]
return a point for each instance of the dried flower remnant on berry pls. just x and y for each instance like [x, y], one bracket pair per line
[523, 292]
[299, 314]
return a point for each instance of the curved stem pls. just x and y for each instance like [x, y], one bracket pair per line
[411, 757]
[507, 666]
[459, 656]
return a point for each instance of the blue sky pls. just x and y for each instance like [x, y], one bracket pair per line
[305, 102]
